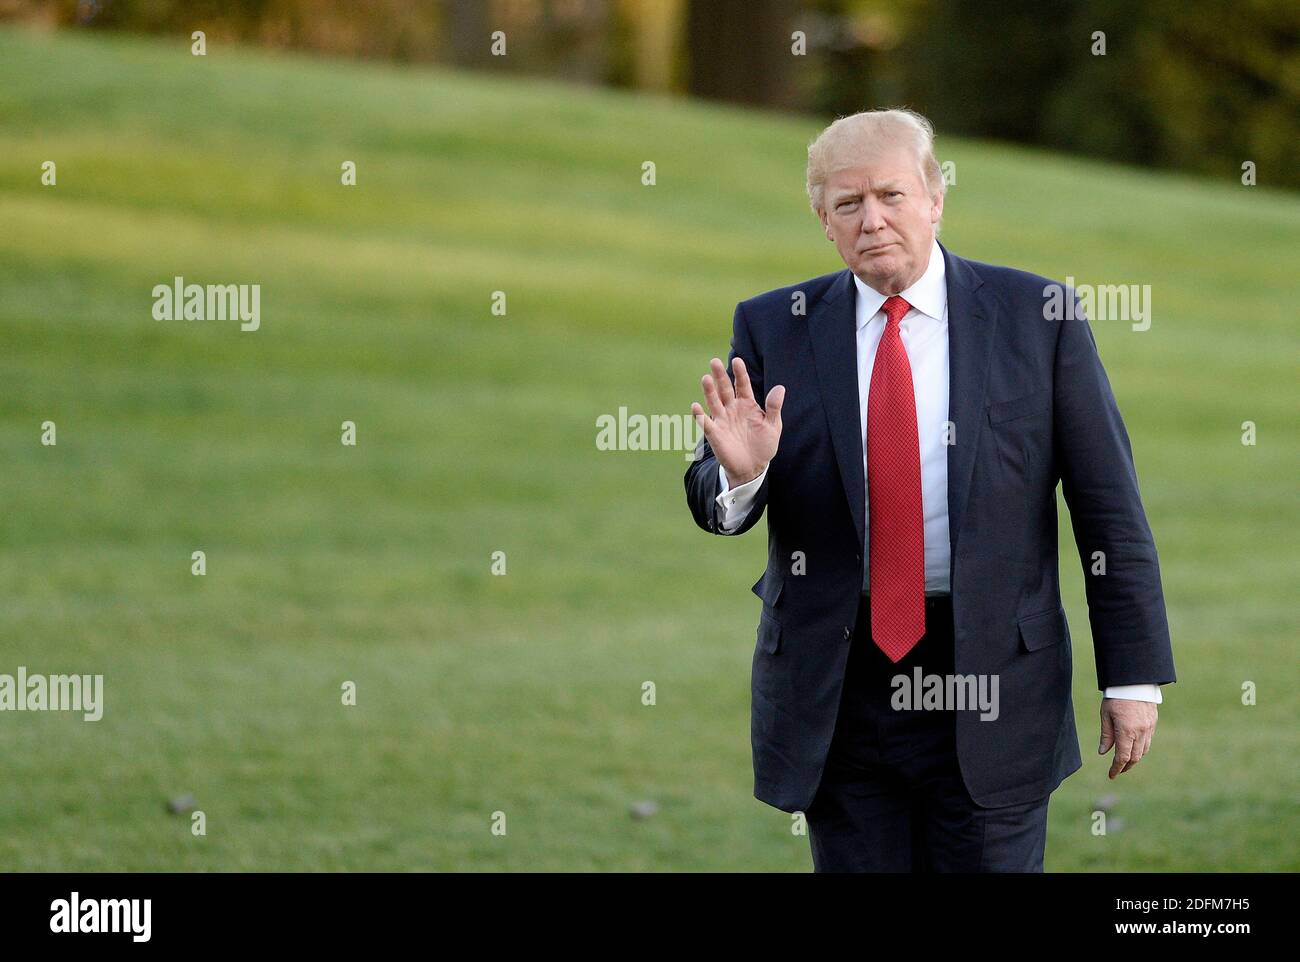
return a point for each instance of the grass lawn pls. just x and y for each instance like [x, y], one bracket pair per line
[476, 434]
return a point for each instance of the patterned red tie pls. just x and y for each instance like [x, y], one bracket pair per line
[897, 537]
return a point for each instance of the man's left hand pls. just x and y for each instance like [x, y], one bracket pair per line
[1129, 726]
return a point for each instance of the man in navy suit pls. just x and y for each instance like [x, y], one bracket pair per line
[912, 673]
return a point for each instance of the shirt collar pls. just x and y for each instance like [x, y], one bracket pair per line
[929, 294]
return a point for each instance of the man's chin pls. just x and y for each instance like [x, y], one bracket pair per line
[879, 272]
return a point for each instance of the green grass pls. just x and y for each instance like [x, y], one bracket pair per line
[477, 434]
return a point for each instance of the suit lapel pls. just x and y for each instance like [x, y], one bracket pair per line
[833, 335]
[972, 319]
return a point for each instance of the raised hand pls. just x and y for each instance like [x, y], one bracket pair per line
[743, 435]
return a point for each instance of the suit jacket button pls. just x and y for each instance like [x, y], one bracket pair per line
[847, 632]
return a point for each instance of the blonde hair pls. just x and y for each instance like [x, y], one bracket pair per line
[864, 134]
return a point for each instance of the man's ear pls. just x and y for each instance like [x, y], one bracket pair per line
[936, 208]
[826, 226]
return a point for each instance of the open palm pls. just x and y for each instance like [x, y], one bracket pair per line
[742, 434]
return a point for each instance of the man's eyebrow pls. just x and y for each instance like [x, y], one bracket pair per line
[884, 185]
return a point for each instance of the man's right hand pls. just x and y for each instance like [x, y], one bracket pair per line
[742, 435]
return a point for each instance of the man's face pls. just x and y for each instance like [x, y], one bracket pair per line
[881, 217]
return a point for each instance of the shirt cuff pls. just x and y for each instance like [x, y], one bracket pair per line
[734, 503]
[1135, 692]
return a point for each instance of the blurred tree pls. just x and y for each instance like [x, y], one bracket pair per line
[1201, 85]
[647, 47]
[467, 27]
[983, 68]
[739, 50]
[854, 65]
[1195, 84]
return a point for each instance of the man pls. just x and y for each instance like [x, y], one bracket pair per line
[911, 678]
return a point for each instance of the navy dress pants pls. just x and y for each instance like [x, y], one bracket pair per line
[891, 798]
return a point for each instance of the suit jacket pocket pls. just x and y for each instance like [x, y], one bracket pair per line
[1021, 407]
[1043, 629]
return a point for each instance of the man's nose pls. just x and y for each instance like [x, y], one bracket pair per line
[873, 216]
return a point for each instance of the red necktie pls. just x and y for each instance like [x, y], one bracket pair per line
[897, 545]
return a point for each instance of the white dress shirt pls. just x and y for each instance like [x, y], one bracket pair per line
[924, 331]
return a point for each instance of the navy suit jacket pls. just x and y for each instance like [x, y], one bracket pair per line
[1031, 406]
